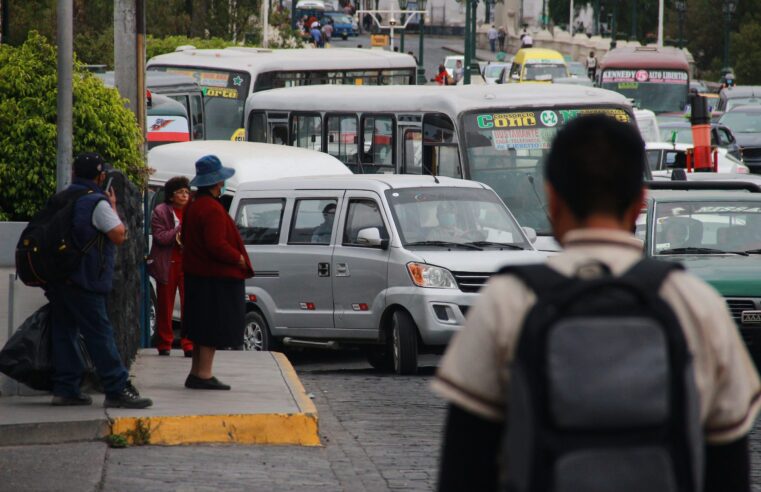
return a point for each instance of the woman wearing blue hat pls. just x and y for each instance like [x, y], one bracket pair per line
[215, 265]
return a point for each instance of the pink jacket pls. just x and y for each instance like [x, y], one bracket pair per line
[164, 234]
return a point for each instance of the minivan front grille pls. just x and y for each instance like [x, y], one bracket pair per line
[737, 306]
[752, 153]
[471, 281]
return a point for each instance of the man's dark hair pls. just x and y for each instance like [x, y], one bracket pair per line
[174, 184]
[596, 165]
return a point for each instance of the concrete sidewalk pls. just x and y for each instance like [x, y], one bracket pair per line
[267, 405]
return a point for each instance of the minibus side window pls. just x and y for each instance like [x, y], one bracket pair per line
[257, 127]
[259, 220]
[440, 153]
[196, 115]
[378, 141]
[342, 139]
[413, 152]
[306, 131]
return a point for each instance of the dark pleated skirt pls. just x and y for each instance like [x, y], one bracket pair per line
[214, 311]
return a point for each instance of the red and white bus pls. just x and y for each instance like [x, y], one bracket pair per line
[657, 79]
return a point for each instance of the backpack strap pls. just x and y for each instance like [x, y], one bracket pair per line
[540, 278]
[649, 274]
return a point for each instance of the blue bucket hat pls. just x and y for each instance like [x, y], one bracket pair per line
[210, 171]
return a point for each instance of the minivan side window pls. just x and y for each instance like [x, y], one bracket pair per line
[259, 220]
[313, 221]
[362, 214]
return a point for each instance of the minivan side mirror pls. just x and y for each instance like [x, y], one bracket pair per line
[371, 237]
[530, 233]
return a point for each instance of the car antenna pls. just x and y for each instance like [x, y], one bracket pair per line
[435, 178]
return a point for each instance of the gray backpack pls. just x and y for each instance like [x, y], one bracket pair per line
[602, 396]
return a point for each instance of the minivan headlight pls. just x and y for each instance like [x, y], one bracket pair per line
[431, 276]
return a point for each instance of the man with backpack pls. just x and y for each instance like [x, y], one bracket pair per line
[78, 302]
[599, 370]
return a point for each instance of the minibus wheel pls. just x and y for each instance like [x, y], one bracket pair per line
[256, 335]
[403, 343]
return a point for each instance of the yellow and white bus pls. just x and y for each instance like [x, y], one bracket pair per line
[498, 135]
[228, 76]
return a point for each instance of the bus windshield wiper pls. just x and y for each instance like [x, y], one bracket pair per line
[753, 251]
[491, 243]
[699, 251]
[445, 244]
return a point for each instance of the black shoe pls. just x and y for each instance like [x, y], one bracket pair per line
[71, 401]
[129, 397]
[194, 382]
[188, 353]
[163, 352]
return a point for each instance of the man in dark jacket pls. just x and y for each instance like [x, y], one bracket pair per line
[78, 304]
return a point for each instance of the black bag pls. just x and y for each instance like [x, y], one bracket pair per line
[46, 251]
[26, 356]
[602, 394]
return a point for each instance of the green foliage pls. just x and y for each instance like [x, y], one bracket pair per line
[745, 51]
[28, 109]
[117, 441]
[95, 48]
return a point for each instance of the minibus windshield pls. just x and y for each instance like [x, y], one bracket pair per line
[660, 91]
[225, 93]
[506, 150]
[436, 217]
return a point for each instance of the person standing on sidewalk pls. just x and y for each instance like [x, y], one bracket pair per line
[78, 304]
[166, 262]
[501, 36]
[492, 35]
[594, 175]
[216, 265]
[591, 65]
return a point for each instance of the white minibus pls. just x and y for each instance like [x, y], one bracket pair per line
[498, 135]
[228, 76]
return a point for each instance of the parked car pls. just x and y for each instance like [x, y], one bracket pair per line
[716, 235]
[495, 72]
[343, 25]
[664, 157]
[251, 161]
[451, 61]
[721, 136]
[745, 123]
[389, 263]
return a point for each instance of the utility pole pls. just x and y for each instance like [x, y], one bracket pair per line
[129, 55]
[660, 23]
[634, 21]
[570, 19]
[65, 30]
[468, 14]
[597, 17]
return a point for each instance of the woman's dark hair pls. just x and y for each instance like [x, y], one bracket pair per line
[597, 165]
[174, 184]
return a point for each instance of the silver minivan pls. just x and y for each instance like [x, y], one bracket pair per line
[390, 263]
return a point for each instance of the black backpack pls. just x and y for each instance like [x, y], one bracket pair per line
[602, 394]
[46, 251]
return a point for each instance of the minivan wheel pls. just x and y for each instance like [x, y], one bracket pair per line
[403, 343]
[256, 335]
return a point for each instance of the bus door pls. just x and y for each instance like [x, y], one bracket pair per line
[441, 155]
[277, 128]
[409, 144]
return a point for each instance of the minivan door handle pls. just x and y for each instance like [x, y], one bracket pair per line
[323, 269]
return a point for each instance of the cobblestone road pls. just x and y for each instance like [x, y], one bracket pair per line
[379, 433]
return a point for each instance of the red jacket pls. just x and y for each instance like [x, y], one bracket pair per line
[211, 242]
[164, 241]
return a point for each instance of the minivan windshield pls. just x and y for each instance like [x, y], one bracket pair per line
[470, 218]
[505, 149]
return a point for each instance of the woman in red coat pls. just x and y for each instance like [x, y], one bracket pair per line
[166, 261]
[215, 265]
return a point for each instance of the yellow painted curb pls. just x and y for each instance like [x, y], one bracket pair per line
[300, 429]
